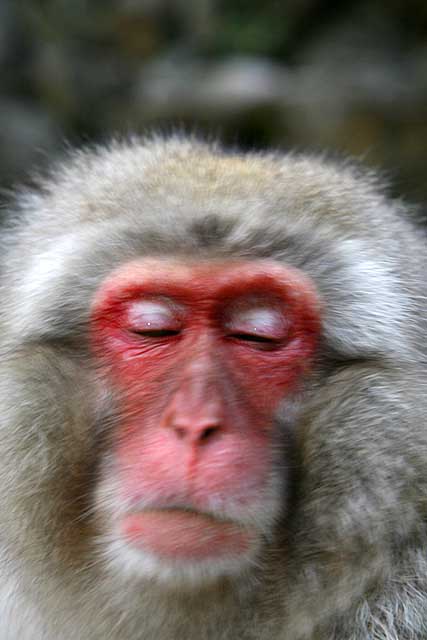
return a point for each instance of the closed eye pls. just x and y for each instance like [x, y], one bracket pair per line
[156, 333]
[255, 322]
[253, 337]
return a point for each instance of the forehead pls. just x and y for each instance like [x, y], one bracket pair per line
[202, 279]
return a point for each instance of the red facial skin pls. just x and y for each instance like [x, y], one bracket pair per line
[201, 354]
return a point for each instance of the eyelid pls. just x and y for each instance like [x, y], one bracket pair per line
[152, 315]
[260, 320]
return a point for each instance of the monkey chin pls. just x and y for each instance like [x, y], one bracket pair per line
[178, 547]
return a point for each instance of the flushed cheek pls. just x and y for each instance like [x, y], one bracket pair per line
[272, 378]
[141, 374]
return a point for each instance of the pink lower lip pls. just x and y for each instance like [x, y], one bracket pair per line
[184, 535]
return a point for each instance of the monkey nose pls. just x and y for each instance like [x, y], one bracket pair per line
[195, 431]
[195, 414]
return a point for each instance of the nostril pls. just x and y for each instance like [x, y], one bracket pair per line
[207, 433]
[196, 435]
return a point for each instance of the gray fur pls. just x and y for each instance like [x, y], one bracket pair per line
[348, 561]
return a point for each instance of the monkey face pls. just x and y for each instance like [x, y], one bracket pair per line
[200, 356]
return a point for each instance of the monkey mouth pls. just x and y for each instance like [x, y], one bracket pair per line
[185, 535]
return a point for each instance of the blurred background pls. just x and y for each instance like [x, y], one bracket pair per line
[349, 77]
